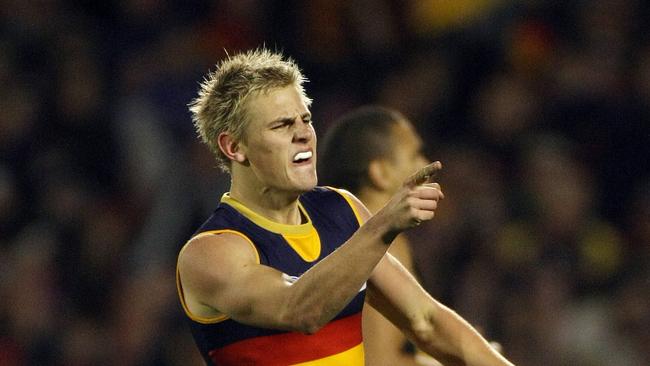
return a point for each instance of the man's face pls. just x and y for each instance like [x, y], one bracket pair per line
[407, 156]
[280, 142]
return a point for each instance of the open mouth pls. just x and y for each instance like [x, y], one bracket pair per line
[302, 157]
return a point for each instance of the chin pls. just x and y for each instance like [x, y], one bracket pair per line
[306, 185]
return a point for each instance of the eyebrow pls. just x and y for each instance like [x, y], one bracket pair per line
[289, 119]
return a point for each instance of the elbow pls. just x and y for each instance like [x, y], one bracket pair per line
[306, 322]
[304, 316]
[426, 328]
[314, 321]
[424, 333]
[310, 328]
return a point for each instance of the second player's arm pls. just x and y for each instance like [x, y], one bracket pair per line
[433, 327]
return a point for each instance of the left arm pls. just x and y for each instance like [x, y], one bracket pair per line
[433, 327]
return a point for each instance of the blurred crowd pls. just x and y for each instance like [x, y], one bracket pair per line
[539, 110]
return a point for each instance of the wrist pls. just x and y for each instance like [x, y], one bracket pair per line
[381, 227]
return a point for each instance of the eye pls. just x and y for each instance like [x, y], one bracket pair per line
[282, 124]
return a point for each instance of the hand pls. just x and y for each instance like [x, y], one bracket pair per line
[415, 202]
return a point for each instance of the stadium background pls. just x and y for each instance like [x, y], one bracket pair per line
[539, 110]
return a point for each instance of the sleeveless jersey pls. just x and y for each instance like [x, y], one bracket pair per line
[291, 249]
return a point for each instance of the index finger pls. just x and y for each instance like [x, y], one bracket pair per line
[424, 175]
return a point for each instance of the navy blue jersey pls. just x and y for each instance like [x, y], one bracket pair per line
[291, 249]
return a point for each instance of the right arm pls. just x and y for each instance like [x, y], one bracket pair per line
[220, 273]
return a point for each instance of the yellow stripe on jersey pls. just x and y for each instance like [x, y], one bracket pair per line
[307, 246]
[352, 357]
[352, 205]
[303, 238]
[270, 225]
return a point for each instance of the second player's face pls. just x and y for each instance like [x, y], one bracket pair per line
[280, 143]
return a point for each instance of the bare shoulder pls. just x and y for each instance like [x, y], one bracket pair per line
[209, 256]
[209, 267]
[218, 246]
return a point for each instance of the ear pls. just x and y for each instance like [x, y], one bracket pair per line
[231, 147]
[379, 174]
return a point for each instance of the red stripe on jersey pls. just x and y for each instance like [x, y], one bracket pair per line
[292, 347]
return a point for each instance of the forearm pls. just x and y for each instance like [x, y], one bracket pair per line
[319, 294]
[448, 337]
[434, 328]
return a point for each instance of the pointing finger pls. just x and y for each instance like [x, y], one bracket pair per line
[424, 175]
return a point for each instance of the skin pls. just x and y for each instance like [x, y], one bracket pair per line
[280, 126]
[383, 341]
[220, 274]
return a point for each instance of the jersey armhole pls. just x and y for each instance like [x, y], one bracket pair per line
[179, 286]
[347, 199]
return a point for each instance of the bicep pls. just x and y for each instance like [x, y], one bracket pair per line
[220, 274]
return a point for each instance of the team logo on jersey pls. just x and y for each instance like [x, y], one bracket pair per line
[292, 279]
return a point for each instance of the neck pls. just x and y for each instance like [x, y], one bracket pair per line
[373, 199]
[275, 205]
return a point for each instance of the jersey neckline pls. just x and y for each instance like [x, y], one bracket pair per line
[268, 224]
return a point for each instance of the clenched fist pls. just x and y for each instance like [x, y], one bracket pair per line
[415, 202]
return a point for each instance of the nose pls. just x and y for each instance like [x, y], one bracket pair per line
[303, 131]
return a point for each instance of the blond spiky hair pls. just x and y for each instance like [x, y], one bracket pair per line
[220, 105]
